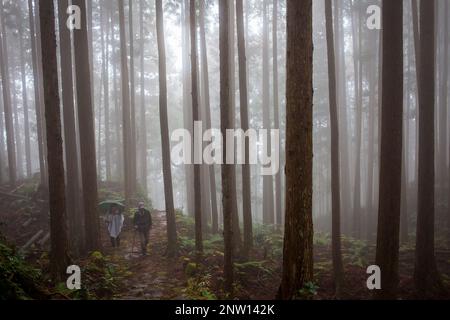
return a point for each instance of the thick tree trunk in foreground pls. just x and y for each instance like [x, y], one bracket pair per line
[335, 174]
[298, 238]
[168, 190]
[59, 259]
[391, 149]
[143, 122]
[87, 133]
[426, 276]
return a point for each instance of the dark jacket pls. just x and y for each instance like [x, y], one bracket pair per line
[142, 220]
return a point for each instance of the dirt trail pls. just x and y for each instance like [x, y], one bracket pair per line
[153, 276]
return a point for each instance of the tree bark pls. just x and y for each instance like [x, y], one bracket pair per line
[243, 91]
[87, 134]
[335, 174]
[268, 205]
[228, 174]
[391, 149]
[168, 190]
[298, 239]
[59, 259]
[73, 199]
[143, 122]
[426, 276]
[7, 108]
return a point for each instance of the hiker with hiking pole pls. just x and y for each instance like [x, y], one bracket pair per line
[142, 224]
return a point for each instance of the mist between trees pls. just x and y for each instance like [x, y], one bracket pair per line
[326, 125]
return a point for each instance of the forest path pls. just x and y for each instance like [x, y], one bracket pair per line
[154, 276]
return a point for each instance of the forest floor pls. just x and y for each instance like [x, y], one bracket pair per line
[122, 273]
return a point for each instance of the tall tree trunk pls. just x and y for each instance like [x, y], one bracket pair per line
[2, 145]
[243, 91]
[37, 94]
[391, 149]
[187, 102]
[343, 117]
[196, 117]
[335, 174]
[443, 113]
[276, 103]
[105, 50]
[357, 56]
[25, 106]
[426, 276]
[59, 259]
[70, 142]
[133, 149]
[232, 55]
[268, 206]
[126, 116]
[207, 106]
[226, 121]
[298, 238]
[9, 125]
[168, 189]
[143, 122]
[87, 133]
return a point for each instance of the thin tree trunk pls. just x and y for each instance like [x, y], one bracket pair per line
[243, 91]
[298, 239]
[226, 121]
[196, 117]
[276, 103]
[87, 133]
[9, 125]
[143, 127]
[335, 174]
[207, 106]
[105, 50]
[126, 116]
[25, 106]
[168, 189]
[133, 149]
[268, 206]
[59, 259]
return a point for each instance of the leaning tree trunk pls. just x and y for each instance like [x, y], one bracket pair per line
[59, 259]
[391, 149]
[168, 189]
[87, 133]
[298, 239]
[335, 174]
[426, 276]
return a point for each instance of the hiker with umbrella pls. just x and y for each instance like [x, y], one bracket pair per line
[142, 224]
[114, 220]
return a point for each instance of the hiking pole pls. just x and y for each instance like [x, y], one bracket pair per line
[134, 240]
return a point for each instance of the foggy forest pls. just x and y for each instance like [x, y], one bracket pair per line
[224, 149]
